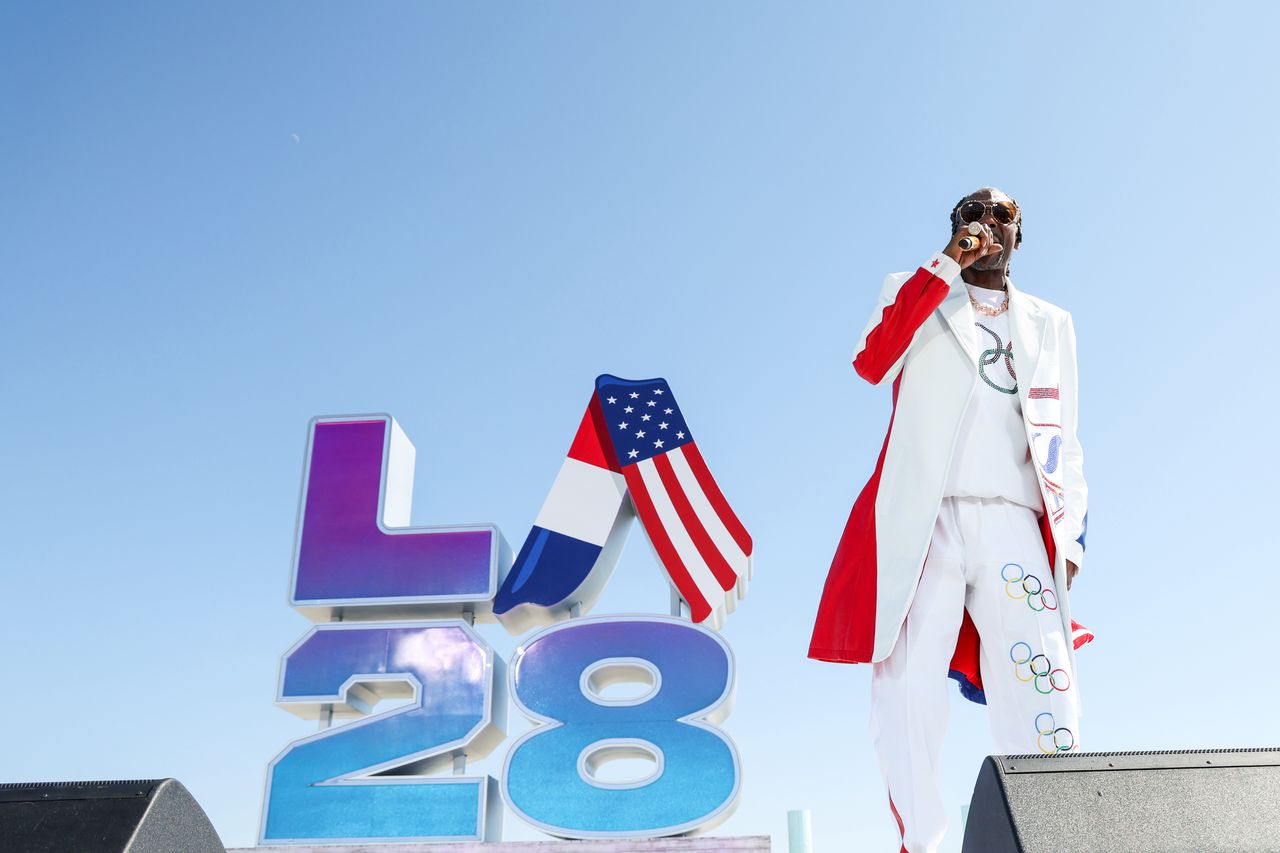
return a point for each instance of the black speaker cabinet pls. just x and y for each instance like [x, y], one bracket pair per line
[156, 816]
[1216, 800]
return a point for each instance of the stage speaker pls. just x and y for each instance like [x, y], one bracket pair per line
[155, 816]
[1135, 802]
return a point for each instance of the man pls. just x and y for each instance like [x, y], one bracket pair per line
[958, 552]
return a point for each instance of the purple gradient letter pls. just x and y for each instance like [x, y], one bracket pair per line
[355, 549]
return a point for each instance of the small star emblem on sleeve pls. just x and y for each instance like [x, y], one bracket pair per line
[934, 265]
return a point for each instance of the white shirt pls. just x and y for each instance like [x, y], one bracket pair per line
[993, 458]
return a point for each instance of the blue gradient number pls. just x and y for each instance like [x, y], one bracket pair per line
[361, 781]
[549, 778]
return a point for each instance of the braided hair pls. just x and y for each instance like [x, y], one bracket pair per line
[955, 213]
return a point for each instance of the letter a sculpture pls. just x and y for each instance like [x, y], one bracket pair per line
[633, 456]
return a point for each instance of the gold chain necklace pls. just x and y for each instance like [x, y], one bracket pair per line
[987, 310]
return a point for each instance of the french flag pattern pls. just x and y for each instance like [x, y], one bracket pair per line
[570, 553]
[633, 457]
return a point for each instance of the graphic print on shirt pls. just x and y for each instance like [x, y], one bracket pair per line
[991, 357]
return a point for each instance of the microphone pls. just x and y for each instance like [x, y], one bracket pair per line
[974, 240]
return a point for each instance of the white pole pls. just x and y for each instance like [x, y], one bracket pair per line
[800, 831]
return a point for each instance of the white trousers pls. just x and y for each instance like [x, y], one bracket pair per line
[987, 556]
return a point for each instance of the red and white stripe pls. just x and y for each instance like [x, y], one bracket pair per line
[1080, 635]
[701, 544]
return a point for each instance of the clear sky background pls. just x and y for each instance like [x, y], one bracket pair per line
[220, 219]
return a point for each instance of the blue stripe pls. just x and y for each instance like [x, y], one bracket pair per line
[538, 536]
[968, 689]
[548, 569]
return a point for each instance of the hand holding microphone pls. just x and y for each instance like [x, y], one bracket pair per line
[971, 243]
[972, 238]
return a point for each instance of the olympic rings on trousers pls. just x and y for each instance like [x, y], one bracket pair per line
[1043, 596]
[1062, 738]
[1019, 662]
[1053, 679]
[1015, 646]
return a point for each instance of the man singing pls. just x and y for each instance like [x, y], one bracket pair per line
[958, 552]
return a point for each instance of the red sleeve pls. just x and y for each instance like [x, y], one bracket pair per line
[889, 335]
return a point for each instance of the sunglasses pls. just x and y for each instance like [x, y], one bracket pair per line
[973, 211]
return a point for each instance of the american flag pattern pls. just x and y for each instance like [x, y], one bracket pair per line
[702, 545]
[632, 456]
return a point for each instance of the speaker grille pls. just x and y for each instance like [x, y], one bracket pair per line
[16, 792]
[1169, 759]
[117, 816]
[1172, 801]
[1150, 752]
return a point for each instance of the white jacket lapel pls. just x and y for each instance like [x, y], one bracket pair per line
[1026, 322]
[958, 313]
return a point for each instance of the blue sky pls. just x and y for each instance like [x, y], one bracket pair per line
[217, 220]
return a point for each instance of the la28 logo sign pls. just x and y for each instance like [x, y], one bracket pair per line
[396, 605]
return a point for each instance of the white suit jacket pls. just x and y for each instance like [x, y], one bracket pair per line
[921, 339]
